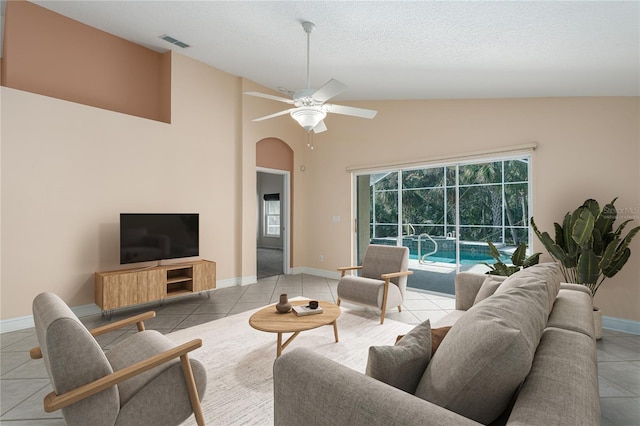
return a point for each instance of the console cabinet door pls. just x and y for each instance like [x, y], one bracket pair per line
[119, 290]
[204, 276]
[152, 285]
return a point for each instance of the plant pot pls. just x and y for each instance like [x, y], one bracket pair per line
[597, 322]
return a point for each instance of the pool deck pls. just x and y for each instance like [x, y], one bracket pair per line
[438, 277]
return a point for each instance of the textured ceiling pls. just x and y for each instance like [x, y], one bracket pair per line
[396, 49]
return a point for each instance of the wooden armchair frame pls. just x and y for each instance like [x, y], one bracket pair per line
[53, 402]
[387, 280]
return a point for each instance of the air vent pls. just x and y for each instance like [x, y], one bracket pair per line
[174, 41]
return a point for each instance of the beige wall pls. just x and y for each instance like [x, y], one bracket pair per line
[68, 170]
[587, 148]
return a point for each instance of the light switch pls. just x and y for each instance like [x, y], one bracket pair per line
[336, 219]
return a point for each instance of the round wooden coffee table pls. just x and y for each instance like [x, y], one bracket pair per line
[269, 320]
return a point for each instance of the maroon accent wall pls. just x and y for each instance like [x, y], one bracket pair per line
[52, 55]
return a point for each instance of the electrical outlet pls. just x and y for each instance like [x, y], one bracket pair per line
[321, 258]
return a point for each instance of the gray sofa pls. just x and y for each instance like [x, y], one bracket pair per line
[520, 352]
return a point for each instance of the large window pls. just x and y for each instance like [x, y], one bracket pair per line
[446, 214]
[272, 215]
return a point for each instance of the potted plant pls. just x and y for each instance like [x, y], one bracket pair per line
[587, 247]
[518, 260]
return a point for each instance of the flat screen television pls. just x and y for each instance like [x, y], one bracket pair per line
[158, 236]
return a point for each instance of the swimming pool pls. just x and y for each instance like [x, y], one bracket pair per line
[466, 257]
[470, 252]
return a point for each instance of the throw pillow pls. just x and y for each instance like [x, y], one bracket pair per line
[489, 286]
[487, 354]
[402, 365]
[437, 334]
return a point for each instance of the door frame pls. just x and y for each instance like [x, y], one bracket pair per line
[285, 214]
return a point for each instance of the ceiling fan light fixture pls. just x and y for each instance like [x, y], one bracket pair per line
[309, 108]
[308, 117]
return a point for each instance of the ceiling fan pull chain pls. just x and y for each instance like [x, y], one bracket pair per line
[310, 140]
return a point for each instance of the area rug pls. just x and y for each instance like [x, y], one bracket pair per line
[239, 360]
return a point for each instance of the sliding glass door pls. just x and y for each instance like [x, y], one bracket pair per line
[445, 214]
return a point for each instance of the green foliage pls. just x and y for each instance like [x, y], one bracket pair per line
[587, 247]
[518, 259]
[492, 194]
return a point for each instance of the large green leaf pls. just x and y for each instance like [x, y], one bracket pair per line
[588, 270]
[534, 259]
[571, 248]
[501, 269]
[621, 228]
[518, 256]
[559, 235]
[593, 207]
[604, 222]
[609, 254]
[627, 240]
[493, 251]
[617, 263]
[554, 250]
[583, 227]
[596, 242]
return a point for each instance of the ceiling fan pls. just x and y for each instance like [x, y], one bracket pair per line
[310, 108]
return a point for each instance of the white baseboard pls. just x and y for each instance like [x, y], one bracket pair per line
[15, 324]
[333, 275]
[21, 323]
[237, 281]
[621, 324]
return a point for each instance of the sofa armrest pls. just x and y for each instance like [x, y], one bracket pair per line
[467, 286]
[576, 287]
[312, 390]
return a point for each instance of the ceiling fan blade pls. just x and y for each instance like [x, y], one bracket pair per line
[272, 97]
[277, 114]
[331, 88]
[320, 127]
[347, 110]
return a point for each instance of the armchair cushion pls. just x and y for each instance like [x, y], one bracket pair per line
[380, 260]
[162, 386]
[402, 365]
[367, 291]
[136, 348]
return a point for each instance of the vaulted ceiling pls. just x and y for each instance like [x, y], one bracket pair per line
[395, 49]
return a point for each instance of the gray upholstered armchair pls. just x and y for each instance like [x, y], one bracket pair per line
[145, 379]
[382, 281]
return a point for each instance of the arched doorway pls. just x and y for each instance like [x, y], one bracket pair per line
[274, 192]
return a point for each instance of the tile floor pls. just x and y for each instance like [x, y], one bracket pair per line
[24, 382]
